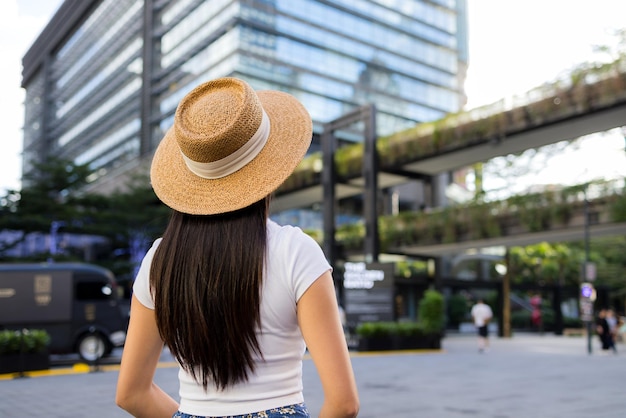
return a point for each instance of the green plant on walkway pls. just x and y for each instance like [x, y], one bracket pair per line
[431, 311]
[23, 341]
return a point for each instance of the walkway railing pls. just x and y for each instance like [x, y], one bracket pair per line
[584, 92]
[554, 209]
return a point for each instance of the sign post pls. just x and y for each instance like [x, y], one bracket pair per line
[587, 297]
[368, 292]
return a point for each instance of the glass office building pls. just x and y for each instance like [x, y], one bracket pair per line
[104, 77]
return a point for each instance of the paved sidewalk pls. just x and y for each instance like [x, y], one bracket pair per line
[525, 376]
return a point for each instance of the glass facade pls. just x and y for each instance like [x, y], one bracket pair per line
[106, 93]
[91, 94]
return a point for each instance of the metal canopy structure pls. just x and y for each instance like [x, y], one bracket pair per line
[364, 116]
[364, 120]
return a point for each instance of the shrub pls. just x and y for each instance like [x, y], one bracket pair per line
[520, 319]
[431, 311]
[25, 341]
[572, 322]
[376, 329]
[386, 329]
[431, 321]
[457, 309]
[410, 329]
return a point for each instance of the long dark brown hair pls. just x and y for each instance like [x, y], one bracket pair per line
[206, 276]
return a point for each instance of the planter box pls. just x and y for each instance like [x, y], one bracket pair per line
[396, 342]
[376, 343]
[17, 363]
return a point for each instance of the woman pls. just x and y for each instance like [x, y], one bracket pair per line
[233, 295]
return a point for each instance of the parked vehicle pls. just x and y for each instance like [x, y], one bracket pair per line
[78, 304]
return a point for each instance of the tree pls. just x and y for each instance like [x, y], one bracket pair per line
[51, 196]
[545, 263]
[133, 218]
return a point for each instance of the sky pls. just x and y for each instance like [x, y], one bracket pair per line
[514, 45]
[21, 21]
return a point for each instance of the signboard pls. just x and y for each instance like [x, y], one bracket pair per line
[586, 310]
[368, 292]
[587, 297]
[589, 271]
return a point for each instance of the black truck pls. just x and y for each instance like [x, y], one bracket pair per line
[78, 304]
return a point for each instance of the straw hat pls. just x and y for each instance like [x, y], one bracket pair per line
[229, 147]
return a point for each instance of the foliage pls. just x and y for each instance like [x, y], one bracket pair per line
[377, 329]
[457, 309]
[431, 311]
[389, 328]
[545, 263]
[412, 268]
[348, 159]
[132, 219]
[542, 263]
[51, 193]
[491, 299]
[521, 319]
[351, 235]
[608, 253]
[483, 220]
[618, 207]
[24, 341]
[590, 85]
[431, 321]
[411, 329]
[129, 219]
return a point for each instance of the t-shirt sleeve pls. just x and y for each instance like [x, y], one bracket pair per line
[307, 261]
[141, 287]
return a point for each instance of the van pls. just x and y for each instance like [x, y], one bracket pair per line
[78, 304]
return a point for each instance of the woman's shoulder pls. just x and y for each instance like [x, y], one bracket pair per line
[289, 237]
[283, 231]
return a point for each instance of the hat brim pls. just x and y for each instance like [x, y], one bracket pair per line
[288, 141]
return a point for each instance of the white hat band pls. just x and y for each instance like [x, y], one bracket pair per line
[236, 160]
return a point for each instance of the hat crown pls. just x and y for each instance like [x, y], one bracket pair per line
[229, 147]
[216, 119]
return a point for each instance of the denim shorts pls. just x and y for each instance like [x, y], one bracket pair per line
[290, 411]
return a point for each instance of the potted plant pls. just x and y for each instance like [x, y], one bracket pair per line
[432, 317]
[24, 350]
[375, 336]
[410, 335]
[424, 333]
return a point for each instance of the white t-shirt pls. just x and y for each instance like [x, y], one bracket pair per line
[294, 262]
[481, 312]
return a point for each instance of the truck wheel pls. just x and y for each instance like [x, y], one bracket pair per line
[92, 347]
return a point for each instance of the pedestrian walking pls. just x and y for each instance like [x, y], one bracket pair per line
[603, 329]
[234, 296]
[612, 320]
[482, 314]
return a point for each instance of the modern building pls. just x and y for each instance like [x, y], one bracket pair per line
[104, 77]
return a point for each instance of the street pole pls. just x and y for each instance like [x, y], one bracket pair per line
[585, 278]
[506, 297]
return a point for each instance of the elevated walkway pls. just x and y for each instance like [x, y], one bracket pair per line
[509, 229]
[552, 216]
[591, 102]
